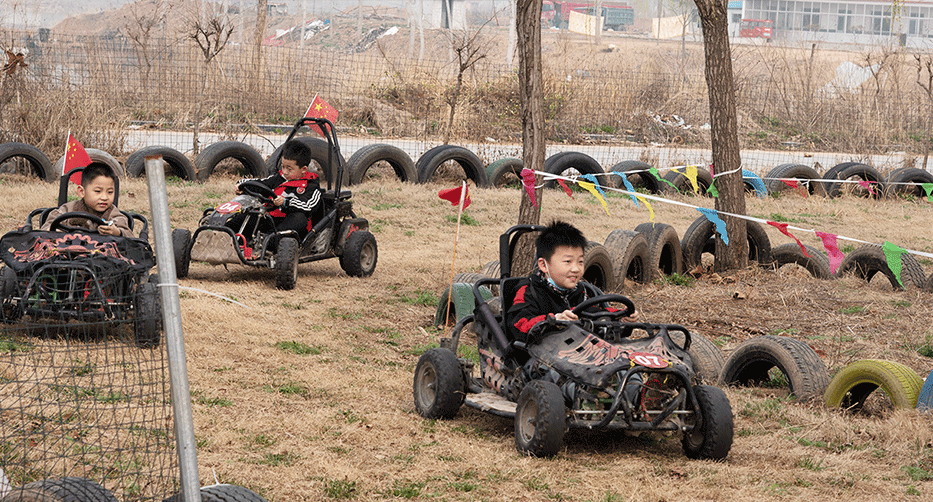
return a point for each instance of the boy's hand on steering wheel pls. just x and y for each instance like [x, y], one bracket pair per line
[278, 201]
[109, 229]
[566, 315]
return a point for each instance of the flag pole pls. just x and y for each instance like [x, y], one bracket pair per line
[450, 288]
[67, 144]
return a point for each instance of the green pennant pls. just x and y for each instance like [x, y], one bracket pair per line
[892, 253]
[712, 190]
[929, 188]
[654, 170]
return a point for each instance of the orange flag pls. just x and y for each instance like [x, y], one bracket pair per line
[320, 109]
[75, 156]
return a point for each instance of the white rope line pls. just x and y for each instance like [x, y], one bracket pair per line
[222, 297]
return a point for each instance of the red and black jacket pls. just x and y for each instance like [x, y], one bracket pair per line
[535, 299]
[301, 195]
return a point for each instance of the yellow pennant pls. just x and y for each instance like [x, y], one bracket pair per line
[691, 174]
[591, 188]
[650, 209]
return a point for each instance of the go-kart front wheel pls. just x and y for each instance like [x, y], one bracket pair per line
[438, 389]
[540, 419]
[286, 264]
[147, 323]
[711, 437]
[181, 248]
[359, 254]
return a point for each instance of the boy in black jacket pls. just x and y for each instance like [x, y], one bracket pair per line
[298, 194]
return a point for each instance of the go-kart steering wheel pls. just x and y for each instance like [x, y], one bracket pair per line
[258, 190]
[59, 222]
[580, 310]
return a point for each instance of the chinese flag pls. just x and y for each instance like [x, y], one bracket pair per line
[452, 195]
[320, 109]
[75, 156]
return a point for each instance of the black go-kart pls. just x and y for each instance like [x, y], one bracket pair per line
[241, 231]
[69, 274]
[610, 374]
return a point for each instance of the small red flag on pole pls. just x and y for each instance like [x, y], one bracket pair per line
[75, 156]
[320, 109]
[460, 197]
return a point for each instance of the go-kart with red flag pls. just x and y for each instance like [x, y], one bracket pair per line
[241, 230]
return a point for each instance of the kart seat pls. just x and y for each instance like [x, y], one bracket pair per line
[508, 287]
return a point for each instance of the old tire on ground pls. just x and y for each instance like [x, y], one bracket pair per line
[712, 437]
[214, 154]
[817, 263]
[630, 256]
[319, 153]
[181, 249]
[683, 184]
[222, 493]
[860, 171]
[98, 157]
[147, 321]
[564, 161]
[753, 359]
[451, 308]
[804, 175]
[500, 172]
[359, 163]
[286, 263]
[708, 360]
[40, 165]
[908, 181]
[360, 254]
[175, 162]
[540, 419]
[641, 178]
[869, 259]
[438, 388]
[492, 269]
[597, 267]
[925, 401]
[754, 183]
[853, 384]
[67, 489]
[699, 238]
[432, 159]
[665, 256]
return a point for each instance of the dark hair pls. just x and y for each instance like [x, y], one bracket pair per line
[558, 233]
[91, 172]
[297, 151]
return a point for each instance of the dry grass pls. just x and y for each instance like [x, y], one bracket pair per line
[306, 395]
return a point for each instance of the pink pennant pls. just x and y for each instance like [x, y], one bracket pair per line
[528, 181]
[835, 256]
[782, 227]
[867, 185]
[565, 187]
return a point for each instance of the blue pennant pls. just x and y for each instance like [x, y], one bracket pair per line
[713, 216]
[592, 179]
[628, 186]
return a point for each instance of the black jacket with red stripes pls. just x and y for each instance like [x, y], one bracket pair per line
[301, 195]
[534, 300]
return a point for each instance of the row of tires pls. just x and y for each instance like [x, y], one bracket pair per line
[78, 489]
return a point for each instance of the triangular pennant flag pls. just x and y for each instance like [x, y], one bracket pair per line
[650, 209]
[591, 188]
[566, 188]
[795, 184]
[75, 156]
[782, 227]
[592, 179]
[320, 109]
[528, 181]
[654, 170]
[832, 251]
[713, 216]
[929, 188]
[691, 174]
[628, 186]
[712, 189]
[452, 195]
[892, 253]
[867, 185]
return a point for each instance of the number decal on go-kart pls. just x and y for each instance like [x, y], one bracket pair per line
[228, 207]
[648, 360]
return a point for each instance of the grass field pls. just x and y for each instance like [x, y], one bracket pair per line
[306, 394]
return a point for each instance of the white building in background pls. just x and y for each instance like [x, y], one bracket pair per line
[867, 22]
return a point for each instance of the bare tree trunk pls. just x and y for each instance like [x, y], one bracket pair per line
[724, 132]
[254, 81]
[530, 83]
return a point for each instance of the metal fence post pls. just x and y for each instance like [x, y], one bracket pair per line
[174, 338]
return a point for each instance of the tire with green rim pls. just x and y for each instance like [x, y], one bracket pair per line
[712, 435]
[286, 264]
[753, 360]
[500, 172]
[360, 254]
[853, 384]
[540, 419]
[439, 388]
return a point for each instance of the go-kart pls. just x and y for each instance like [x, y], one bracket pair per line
[71, 274]
[604, 373]
[241, 231]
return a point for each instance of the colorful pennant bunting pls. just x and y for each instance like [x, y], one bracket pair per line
[832, 251]
[650, 209]
[565, 187]
[713, 216]
[691, 174]
[782, 227]
[628, 186]
[928, 187]
[893, 253]
[867, 185]
[712, 189]
[528, 181]
[654, 170]
[591, 188]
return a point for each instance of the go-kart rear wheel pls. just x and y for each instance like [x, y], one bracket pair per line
[181, 248]
[286, 264]
[438, 388]
[147, 323]
[711, 438]
[359, 254]
[540, 419]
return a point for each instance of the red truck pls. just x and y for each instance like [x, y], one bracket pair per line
[616, 15]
